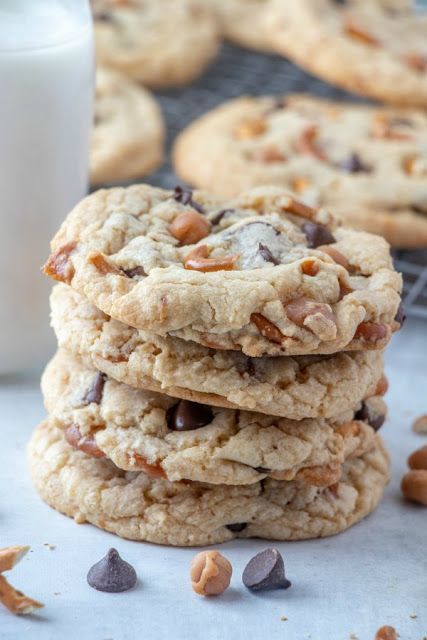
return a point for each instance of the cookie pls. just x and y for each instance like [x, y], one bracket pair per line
[161, 44]
[262, 273]
[368, 164]
[245, 22]
[377, 49]
[190, 513]
[182, 440]
[293, 387]
[128, 137]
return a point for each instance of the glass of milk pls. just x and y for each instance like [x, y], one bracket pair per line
[46, 96]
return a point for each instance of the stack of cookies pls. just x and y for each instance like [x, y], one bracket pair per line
[219, 372]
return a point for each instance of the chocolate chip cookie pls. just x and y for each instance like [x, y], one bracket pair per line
[262, 273]
[160, 44]
[182, 440]
[134, 506]
[368, 164]
[128, 136]
[377, 49]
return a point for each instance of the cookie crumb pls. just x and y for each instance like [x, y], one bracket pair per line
[413, 616]
[283, 618]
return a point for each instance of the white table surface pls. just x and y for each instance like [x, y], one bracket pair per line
[374, 574]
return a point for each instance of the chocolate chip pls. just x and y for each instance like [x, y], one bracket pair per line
[366, 415]
[262, 469]
[353, 164]
[186, 416]
[103, 16]
[237, 527]
[95, 392]
[317, 234]
[136, 271]
[112, 574]
[266, 254]
[185, 196]
[265, 571]
[419, 207]
[400, 316]
[219, 216]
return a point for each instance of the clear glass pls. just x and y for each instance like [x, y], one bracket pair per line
[47, 86]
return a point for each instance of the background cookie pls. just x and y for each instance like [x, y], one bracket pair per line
[377, 49]
[296, 388]
[367, 164]
[259, 278]
[185, 514]
[162, 44]
[180, 440]
[128, 136]
[245, 22]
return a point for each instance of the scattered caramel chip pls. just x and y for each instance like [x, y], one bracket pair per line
[349, 429]
[418, 459]
[414, 486]
[151, 470]
[371, 331]
[386, 633]
[382, 386]
[17, 602]
[10, 556]
[267, 328]
[299, 309]
[416, 61]
[250, 128]
[268, 155]
[420, 424]
[306, 143]
[210, 573]
[197, 260]
[86, 444]
[103, 265]
[189, 227]
[320, 476]
[310, 267]
[300, 184]
[384, 127]
[59, 266]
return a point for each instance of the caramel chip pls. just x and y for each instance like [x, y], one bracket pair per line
[59, 266]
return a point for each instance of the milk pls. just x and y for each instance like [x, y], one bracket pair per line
[46, 93]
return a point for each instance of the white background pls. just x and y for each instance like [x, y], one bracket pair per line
[374, 574]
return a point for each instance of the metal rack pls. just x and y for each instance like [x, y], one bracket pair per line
[236, 72]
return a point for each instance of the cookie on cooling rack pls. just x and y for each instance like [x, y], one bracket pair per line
[367, 163]
[377, 49]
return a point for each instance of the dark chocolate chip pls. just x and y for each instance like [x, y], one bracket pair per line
[219, 216]
[266, 254]
[112, 574]
[419, 207]
[136, 271]
[353, 164]
[317, 234]
[95, 392]
[103, 16]
[265, 571]
[262, 469]
[186, 416]
[400, 316]
[237, 527]
[185, 196]
[366, 415]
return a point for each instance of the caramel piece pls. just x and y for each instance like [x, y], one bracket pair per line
[299, 309]
[320, 476]
[151, 470]
[250, 129]
[268, 155]
[103, 265]
[386, 633]
[86, 444]
[59, 266]
[416, 61]
[310, 267]
[306, 143]
[382, 128]
[382, 386]
[418, 459]
[371, 331]
[357, 33]
[414, 486]
[299, 184]
[420, 424]
[210, 573]
[267, 328]
[189, 227]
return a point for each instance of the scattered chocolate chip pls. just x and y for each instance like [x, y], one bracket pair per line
[237, 527]
[95, 392]
[112, 574]
[353, 164]
[103, 16]
[262, 469]
[266, 254]
[265, 571]
[400, 316]
[136, 271]
[366, 415]
[419, 207]
[185, 196]
[219, 216]
[317, 234]
[186, 416]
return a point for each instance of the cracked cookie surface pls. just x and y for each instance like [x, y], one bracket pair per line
[293, 387]
[182, 440]
[368, 164]
[136, 507]
[377, 49]
[128, 136]
[262, 273]
[159, 43]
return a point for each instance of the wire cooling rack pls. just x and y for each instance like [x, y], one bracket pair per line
[236, 72]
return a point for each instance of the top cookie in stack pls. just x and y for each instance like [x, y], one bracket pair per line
[261, 273]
